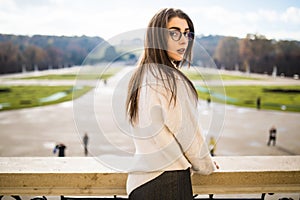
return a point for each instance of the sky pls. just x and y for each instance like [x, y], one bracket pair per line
[275, 19]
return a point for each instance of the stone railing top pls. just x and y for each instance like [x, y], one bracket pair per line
[88, 176]
[94, 165]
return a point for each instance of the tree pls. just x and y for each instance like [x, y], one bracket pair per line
[227, 52]
[256, 51]
[287, 57]
[34, 56]
[110, 54]
[10, 58]
[246, 52]
[55, 56]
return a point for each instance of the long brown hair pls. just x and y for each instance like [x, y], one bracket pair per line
[156, 59]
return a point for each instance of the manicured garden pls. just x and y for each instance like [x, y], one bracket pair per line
[284, 98]
[16, 97]
[72, 76]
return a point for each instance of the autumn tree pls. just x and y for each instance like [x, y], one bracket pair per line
[55, 56]
[10, 58]
[256, 52]
[287, 57]
[34, 56]
[227, 52]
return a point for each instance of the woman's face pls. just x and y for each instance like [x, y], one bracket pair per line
[177, 38]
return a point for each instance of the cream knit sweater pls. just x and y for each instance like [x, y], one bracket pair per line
[167, 136]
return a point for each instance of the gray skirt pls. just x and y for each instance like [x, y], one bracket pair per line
[170, 185]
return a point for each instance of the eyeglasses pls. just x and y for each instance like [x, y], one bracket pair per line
[176, 35]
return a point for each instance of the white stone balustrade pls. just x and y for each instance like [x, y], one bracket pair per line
[86, 176]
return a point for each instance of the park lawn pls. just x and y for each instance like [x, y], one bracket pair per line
[192, 75]
[94, 74]
[71, 77]
[286, 98]
[16, 97]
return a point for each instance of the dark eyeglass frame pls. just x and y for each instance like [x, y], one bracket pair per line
[189, 35]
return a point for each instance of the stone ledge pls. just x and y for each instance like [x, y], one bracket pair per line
[87, 176]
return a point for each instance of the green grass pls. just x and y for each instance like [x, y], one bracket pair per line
[93, 74]
[285, 98]
[16, 97]
[71, 77]
[225, 77]
[272, 97]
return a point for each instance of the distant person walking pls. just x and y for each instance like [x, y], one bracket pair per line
[258, 103]
[85, 143]
[272, 136]
[61, 149]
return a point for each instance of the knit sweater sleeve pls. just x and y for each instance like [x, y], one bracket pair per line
[182, 121]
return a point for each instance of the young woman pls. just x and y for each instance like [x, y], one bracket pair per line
[162, 109]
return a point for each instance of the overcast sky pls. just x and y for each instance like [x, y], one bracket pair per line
[276, 19]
